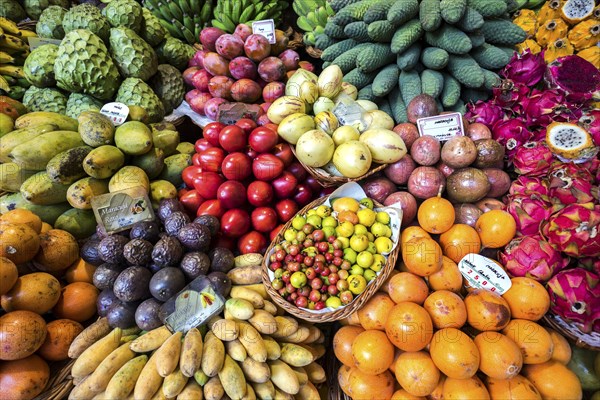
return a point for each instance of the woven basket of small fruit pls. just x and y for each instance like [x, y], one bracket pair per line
[61, 382]
[567, 328]
[329, 259]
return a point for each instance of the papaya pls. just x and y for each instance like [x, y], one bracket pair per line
[95, 129]
[79, 223]
[67, 167]
[36, 153]
[40, 189]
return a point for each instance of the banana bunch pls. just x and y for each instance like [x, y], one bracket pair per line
[312, 18]
[229, 13]
[14, 48]
[183, 19]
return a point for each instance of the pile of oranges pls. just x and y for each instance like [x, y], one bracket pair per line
[426, 334]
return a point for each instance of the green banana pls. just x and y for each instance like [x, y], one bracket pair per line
[228, 22]
[246, 14]
[218, 24]
[206, 12]
[187, 34]
[188, 22]
[305, 24]
[195, 6]
[197, 29]
[165, 11]
[171, 29]
[236, 12]
[185, 7]
[175, 10]
[227, 8]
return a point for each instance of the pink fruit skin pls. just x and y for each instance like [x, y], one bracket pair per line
[243, 68]
[525, 68]
[485, 113]
[575, 295]
[307, 66]
[273, 91]
[510, 96]
[188, 74]
[211, 107]
[565, 74]
[220, 86]
[533, 257]
[271, 69]
[526, 185]
[263, 120]
[191, 94]
[229, 46]
[575, 230]
[511, 134]
[264, 107]
[201, 79]
[529, 212]
[198, 59]
[209, 36]
[242, 31]
[591, 122]
[246, 91]
[542, 107]
[290, 59]
[198, 102]
[533, 159]
[257, 47]
[571, 183]
[216, 64]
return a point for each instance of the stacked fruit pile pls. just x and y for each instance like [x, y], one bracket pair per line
[14, 49]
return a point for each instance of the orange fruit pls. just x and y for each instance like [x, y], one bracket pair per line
[22, 216]
[372, 352]
[402, 394]
[496, 228]
[407, 286]
[61, 333]
[343, 377]
[351, 319]
[501, 358]
[436, 215]
[342, 343]
[25, 378]
[527, 299]
[80, 271]
[438, 392]
[375, 311]
[370, 387]
[350, 216]
[454, 353]
[397, 353]
[46, 227]
[458, 241]
[465, 389]
[553, 380]
[8, 275]
[447, 278]
[533, 340]
[517, 387]
[422, 256]
[413, 232]
[77, 302]
[18, 242]
[446, 309]
[416, 373]
[486, 310]
[409, 327]
[561, 350]
[345, 204]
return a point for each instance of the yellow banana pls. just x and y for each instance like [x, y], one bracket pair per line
[6, 58]
[9, 26]
[4, 84]
[13, 42]
[27, 33]
[12, 70]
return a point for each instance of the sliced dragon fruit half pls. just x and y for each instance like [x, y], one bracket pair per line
[565, 73]
[533, 257]
[533, 159]
[529, 212]
[574, 11]
[570, 142]
[575, 230]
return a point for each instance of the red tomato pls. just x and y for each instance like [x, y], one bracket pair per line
[264, 219]
[211, 159]
[207, 184]
[182, 191]
[246, 124]
[237, 166]
[189, 174]
[275, 232]
[303, 194]
[252, 242]
[202, 144]
[298, 170]
[211, 207]
[267, 167]
[211, 132]
[196, 159]
[191, 201]
[233, 138]
[271, 126]
[314, 184]
[232, 194]
[259, 193]
[235, 222]
[251, 153]
[263, 139]
[286, 209]
[284, 185]
[283, 151]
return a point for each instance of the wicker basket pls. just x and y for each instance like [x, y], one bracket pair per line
[328, 180]
[60, 384]
[341, 312]
[589, 341]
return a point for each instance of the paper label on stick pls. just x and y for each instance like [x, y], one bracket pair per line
[35, 42]
[484, 273]
[266, 28]
[442, 127]
[119, 210]
[117, 112]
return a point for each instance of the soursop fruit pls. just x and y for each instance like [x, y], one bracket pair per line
[34, 8]
[127, 13]
[50, 23]
[86, 16]
[133, 56]
[83, 65]
[45, 99]
[39, 66]
[168, 84]
[78, 103]
[151, 30]
[135, 92]
[12, 10]
[173, 51]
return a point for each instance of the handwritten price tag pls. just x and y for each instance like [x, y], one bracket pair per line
[117, 112]
[442, 127]
[266, 28]
[484, 273]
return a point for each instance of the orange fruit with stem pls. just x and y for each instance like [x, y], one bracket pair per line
[436, 214]
[496, 228]
[460, 240]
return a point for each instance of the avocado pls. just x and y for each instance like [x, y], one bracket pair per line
[138, 252]
[220, 282]
[195, 237]
[211, 222]
[168, 206]
[132, 284]
[221, 259]
[195, 264]
[167, 252]
[175, 221]
[166, 283]
[147, 230]
[105, 275]
[111, 249]
[106, 300]
[122, 315]
[89, 252]
[146, 314]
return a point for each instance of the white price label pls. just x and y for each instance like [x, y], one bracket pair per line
[266, 28]
[117, 112]
[484, 273]
[35, 42]
[442, 127]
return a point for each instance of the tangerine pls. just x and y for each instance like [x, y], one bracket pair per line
[486, 310]
[496, 228]
[447, 278]
[407, 286]
[375, 311]
[409, 327]
[438, 392]
[446, 309]
[517, 387]
[460, 240]
[501, 358]
[527, 299]
[372, 352]
[454, 353]
[8, 275]
[465, 389]
[533, 340]
[349, 216]
[436, 215]
[422, 256]
[561, 350]
[370, 387]
[77, 302]
[413, 232]
[417, 373]
[342, 343]
[402, 394]
[553, 380]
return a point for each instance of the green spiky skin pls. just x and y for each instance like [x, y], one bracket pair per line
[408, 59]
[88, 17]
[337, 49]
[503, 32]
[434, 58]
[135, 92]
[34, 8]
[151, 30]
[366, 93]
[175, 52]
[374, 57]
[169, 86]
[490, 57]
[45, 99]
[133, 56]
[78, 103]
[386, 80]
[451, 91]
[466, 70]
[453, 40]
[12, 10]
[39, 66]
[50, 23]
[83, 65]
[126, 13]
[470, 21]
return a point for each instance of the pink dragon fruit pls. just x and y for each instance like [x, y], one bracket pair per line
[574, 230]
[529, 212]
[486, 113]
[565, 73]
[510, 95]
[570, 169]
[590, 121]
[542, 107]
[565, 190]
[512, 134]
[533, 159]
[533, 257]
[526, 185]
[575, 295]
[593, 166]
[525, 68]
[590, 263]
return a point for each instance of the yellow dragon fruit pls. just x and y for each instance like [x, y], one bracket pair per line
[529, 44]
[584, 34]
[550, 31]
[559, 48]
[550, 10]
[527, 20]
[591, 54]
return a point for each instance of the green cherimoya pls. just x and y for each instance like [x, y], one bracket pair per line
[133, 56]
[39, 66]
[169, 86]
[78, 103]
[127, 13]
[34, 8]
[50, 23]
[135, 92]
[86, 16]
[45, 99]
[83, 65]
[12, 10]
[173, 51]
[151, 30]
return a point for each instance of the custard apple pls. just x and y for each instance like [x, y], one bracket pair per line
[50, 23]
[175, 52]
[39, 66]
[151, 31]
[127, 13]
[78, 103]
[34, 8]
[45, 99]
[86, 16]
[133, 56]
[135, 92]
[169, 86]
[12, 10]
[83, 65]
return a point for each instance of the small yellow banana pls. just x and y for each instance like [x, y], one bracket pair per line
[9, 26]
[13, 42]
[12, 70]
[6, 58]
[4, 84]
[27, 33]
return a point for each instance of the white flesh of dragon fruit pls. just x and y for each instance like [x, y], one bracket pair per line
[570, 142]
[574, 11]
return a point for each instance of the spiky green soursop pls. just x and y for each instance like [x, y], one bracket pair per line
[133, 56]
[127, 13]
[34, 8]
[78, 103]
[169, 86]
[50, 23]
[11, 9]
[86, 16]
[173, 51]
[39, 66]
[83, 65]
[151, 30]
[135, 92]
[45, 99]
